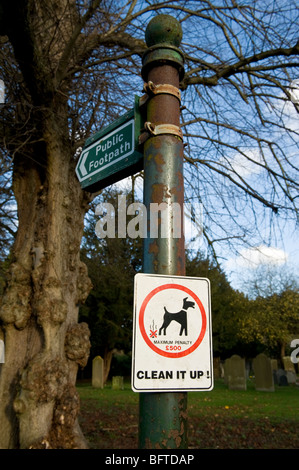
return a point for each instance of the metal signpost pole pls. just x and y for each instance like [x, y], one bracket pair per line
[163, 420]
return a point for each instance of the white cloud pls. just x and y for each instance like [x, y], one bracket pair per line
[249, 164]
[244, 164]
[253, 257]
[294, 91]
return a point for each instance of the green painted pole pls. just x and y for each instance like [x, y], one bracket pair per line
[163, 415]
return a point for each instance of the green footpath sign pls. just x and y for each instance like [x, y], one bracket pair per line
[112, 153]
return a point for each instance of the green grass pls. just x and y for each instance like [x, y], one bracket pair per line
[281, 404]
[221, 418]
[107, 397]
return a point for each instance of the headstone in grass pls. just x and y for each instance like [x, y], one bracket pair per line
[117, 382]
[288, 364]
[289, 367]
[236, 373]
[216, 367]
[225, 371]
[291, 376]
[263, 374]
[282, 378]
[97, 380]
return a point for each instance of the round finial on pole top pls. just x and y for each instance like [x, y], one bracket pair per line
[163, 29]
[163, 35]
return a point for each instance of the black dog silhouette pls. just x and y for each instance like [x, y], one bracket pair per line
[180, 317]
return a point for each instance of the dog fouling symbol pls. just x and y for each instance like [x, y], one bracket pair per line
[172, 320]
[180, 317]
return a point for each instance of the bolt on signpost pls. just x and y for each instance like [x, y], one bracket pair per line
[162, 421]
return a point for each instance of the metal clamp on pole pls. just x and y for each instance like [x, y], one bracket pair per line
[151, 90]
[151, 129]
[159, 129]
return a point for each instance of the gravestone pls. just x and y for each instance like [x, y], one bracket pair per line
[282, 379]
[290, 369]
[274, 364]
[288, 364]
[291, 376]
[263, 374]
[236, 373]
[225, 371]
[117, 383]
[97, 372]
[216, 367]
[221, 370]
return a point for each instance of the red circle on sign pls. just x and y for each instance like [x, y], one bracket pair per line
[142, 328]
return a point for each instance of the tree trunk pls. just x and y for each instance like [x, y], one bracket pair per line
[282, 351]
[44, 344]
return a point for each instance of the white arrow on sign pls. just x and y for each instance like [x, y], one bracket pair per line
[82, 164]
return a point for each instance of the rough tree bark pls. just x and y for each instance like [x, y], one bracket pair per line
[44, 344]
[46, 283]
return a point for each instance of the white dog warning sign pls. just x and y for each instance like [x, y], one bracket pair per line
[172, 338]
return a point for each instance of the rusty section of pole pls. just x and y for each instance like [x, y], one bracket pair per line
[163, 421]
[163, 154]
[163, 416]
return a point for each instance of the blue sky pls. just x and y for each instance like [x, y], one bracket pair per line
[231, 129]
[280, 257]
